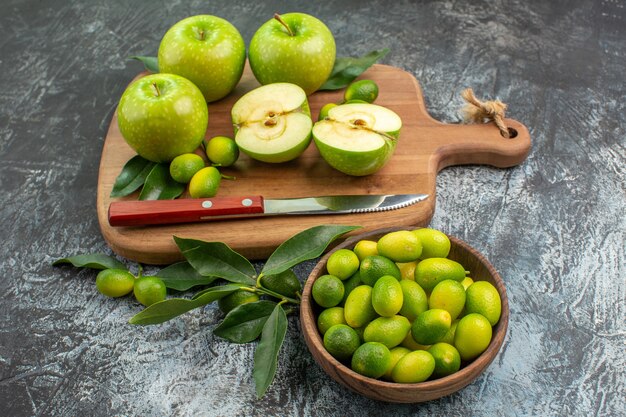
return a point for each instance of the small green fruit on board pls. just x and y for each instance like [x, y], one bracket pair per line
[273, 122]
[294, 48]
[162, 116]
[208, 51]
[358, 138]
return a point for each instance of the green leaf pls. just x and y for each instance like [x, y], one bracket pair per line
[172, 307]
[308, 244]
[216, 259]
[244, 323]
[151, 63]
[182, 276]
[94, 261]
[132, 177]
[159, 185]
[266, 355]
[347, 69]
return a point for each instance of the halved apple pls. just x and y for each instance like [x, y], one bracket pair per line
[358, 138]
[273, 122]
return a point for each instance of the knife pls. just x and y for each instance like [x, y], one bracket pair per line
[187, 210]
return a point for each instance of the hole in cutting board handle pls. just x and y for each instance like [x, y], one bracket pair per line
[512, 133]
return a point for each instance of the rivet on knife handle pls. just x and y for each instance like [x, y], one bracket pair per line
[184, 210]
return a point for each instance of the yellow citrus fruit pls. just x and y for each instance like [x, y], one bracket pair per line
[396, 354]
[205, 183]
[449, 337]
[366, 90]
[472, 336]
[390, 331]
[184, 167]
[414, 299]
[414, 367]
[341, 341]
[358, 310]
[435, 244]
[447, 359]
[342, 264]
[483, 298]
[431, 326]
[407, 269]
[325, 109]
[448, 295]
[350, 284]
[222, 151]
[376, 266]
[365, 248]
[387, 296]
[115, 282]
[371, 359]
[327, 291]
[432, 271]
[149, 290]
[400, 246]
[329, 317]
[467, 281]
[236, 299]
[411, 344]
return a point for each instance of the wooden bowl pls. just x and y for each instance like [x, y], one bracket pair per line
[481, 270]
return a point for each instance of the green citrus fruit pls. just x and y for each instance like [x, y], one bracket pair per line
[342, 263]
[390, 331]
[472, 336]
[435, 244]
[400, 246]
[396, 354]
[115, 282]
[449, 337]
[327, 291]
[431, 326]
[350, 284]
[414, 367]
[414, 299]
[205, 183]
[467, 281]
[376, 266]
[184, 167]
[325, 109]
[407, 269]
[358, 308]
[341, 341]
[236, 299]
[432, 271]
[365, 248]
[286, 283]
[365, 90]
[149, 290]
[411, 344]
[387, 296]
[371, 359]
[447, 359]
[483, 298]
[329, 317]
[448, 295]
[222, 151]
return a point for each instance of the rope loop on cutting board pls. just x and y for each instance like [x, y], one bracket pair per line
[477, 111]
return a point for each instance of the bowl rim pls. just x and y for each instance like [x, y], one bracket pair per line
[461, 378]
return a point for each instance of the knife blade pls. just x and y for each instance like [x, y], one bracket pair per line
[187, 210]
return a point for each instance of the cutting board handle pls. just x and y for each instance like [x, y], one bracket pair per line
[461, 144]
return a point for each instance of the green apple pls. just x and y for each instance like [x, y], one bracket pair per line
[357, 138]
[273, 122]
[293, 48]
[162, 116]
[208, 51]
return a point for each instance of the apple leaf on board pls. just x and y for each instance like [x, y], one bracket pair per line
[149, 62]
[346, 69]
[132, 177]
[160, 185]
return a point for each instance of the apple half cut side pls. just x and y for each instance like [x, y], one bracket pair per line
[359, 138]
[273, 122]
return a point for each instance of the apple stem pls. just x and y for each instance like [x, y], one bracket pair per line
[155, 87]
[282, 22]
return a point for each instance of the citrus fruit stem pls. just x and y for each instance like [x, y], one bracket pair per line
[139, 271]
[224, 176]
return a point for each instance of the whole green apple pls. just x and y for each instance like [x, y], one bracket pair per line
[208, 51]
[294, 48]
[162, 116]
[357, 138]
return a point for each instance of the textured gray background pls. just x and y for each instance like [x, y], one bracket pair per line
[554, 227]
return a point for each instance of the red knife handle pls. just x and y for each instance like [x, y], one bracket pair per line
[184, 210]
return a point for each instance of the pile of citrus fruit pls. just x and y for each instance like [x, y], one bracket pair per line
[399, 309]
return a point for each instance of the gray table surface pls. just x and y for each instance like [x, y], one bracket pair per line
[554, 227]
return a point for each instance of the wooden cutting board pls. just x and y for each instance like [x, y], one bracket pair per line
[425, 147]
